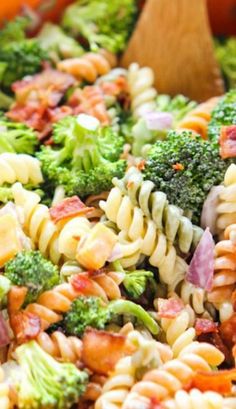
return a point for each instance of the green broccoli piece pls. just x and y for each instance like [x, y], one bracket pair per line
[13, 31]
[224, 113]
[136, 282]
[89, 311]
[32, 270]
[45, 382]
[16, 137]
[178, 106]
[102, 23]
[83, 162]
[5, 100]
[185, 167]
[5, 285]
[18, 59]
[57, 43]
[5, 194]
[226, 55]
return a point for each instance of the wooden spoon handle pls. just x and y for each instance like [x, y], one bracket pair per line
[173, 37]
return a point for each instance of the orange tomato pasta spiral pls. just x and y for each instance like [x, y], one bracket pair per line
[149, 353]
[197, 120]
[224, 280]
[65, 349]
[88, 67]
[53, 303]
[164, 382]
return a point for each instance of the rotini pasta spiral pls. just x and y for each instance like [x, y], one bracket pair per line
[226, 209]
[224, 280]
[143, 94]
[149, 354]
[19, 167]
[154, 205]
[179, 330]
[66, 349]
[4, 392]
[196, 399]
[51, 304]
[197, 120]
[164, 382]
[192, 295]
[52, 241]
[88, 67]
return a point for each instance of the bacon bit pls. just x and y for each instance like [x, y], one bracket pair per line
[69, 207]
[4, 335]
[16, 297]
[214, 338]
[204, 326]
[169, 308]
[228, 331]
[178, 166]
[233, 298]
[155, 404]
[102, 350]
[84, 285]
[228, 142]
[220, 381]
[141, 165]
[26, 326]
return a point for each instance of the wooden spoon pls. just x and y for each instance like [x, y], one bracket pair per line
[173, 37]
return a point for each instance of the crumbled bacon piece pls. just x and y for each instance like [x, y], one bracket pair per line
[26, 326]
[204, 326]
[102, 350]
[169, 308]
[228, 331]
[228, 142]
[69, 207]
[141, 165]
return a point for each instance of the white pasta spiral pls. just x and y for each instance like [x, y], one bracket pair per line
[164, 382]
[179, 330]
[192, 295]
[4, 392]
[143, 94]
[226, 209]
[135, 226]
[54, 242]
[155, 206]
[19, 167]
[196, 399]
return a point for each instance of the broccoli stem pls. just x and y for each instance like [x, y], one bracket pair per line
[128, 307]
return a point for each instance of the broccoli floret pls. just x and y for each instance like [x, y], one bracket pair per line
[5, 194]
[5, 100]
[16, 137]
[185, 167]
[32, 270]
[83, 162]
[45, 382]
[136, 282]
[225, 52]
[57, 43]
[20, 58]
[223, 114]
[89, 311]
[13, 31]
[102, 23]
